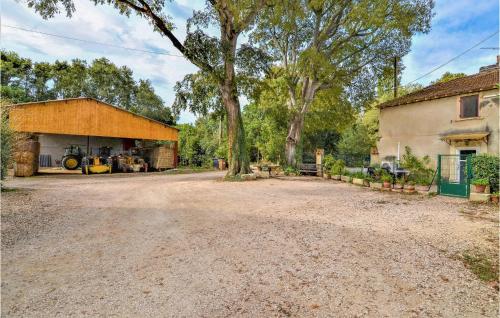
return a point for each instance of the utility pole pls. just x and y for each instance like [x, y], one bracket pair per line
[395, 76]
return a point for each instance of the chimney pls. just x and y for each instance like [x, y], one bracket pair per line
[490, 67]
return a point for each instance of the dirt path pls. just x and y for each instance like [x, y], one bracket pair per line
[192, 246]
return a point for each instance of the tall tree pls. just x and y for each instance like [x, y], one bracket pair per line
[24, 81]
[214, 56]
[70, 79]
[325, 44]
[448, 76]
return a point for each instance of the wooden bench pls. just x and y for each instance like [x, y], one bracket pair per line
[309, 168]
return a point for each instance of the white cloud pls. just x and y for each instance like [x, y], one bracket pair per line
[458, 25]
[99, 24]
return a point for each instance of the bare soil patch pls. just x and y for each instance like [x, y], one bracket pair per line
[193, 246]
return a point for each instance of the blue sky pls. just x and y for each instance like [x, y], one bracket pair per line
[457, 25]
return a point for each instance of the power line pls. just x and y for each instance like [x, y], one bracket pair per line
[88, 41]
[454, 58]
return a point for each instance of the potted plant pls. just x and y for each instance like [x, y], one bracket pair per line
[337, 169]
[358, 178]
[328, 163]
[366, 180]
[422, 183]
[376, 183]
[494, 197]
[480, 184]
[400, 182]
[410, 186]
[346, 176]
[386, 180]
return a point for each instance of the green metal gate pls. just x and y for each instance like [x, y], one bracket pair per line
[454, 175]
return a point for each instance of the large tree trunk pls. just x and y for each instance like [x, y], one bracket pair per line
[293, 139]
[237, 156]
[296, 125]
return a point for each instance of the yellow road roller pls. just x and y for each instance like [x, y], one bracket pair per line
[95, 164]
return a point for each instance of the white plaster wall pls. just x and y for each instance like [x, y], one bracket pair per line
[421, 126]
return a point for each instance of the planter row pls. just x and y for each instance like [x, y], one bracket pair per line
[386, 186]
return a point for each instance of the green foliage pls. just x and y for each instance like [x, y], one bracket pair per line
[485, 267]
[401, 181]
[378, 173]
[24, 81]
[386, 178]
[420, 172]
[328, 163]
[290, 170]
[480, 181]
[338, 167]
[486, 166]
[266, 122]
[359, 175]
[334, 45]
[356, 141]
[201, 142]
[6, 135]
[346, 173]
[448, 76]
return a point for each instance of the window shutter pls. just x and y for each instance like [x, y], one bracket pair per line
[461, 108]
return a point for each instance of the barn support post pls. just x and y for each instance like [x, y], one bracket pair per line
[176, 159]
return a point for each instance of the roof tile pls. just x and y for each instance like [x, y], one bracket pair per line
[481, 81]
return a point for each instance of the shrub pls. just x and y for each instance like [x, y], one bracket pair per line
[419, 169]
[328, 163]
[6, 144]
[338, 167]
[358, 175]
[485, 166]
[386, 177]
[401, 181]
[291, 170]
[480, 182]
[377, 173]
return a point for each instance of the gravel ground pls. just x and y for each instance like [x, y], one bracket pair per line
[193, 246]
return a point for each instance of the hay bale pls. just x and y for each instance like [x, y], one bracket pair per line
[23, 170]
[26, 157]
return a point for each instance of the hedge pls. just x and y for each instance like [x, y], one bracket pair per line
[485, 166]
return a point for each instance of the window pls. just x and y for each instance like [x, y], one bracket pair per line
[469, 106]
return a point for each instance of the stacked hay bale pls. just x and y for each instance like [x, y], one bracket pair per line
[163, 157]
[25, 154]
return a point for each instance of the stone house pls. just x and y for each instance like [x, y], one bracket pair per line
[457, 117]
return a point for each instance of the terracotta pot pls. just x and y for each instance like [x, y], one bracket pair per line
[398, 186]
[410, 187]
[375, 185]
[387, 184]
[494, 199]
[480, 188]
[422, 188]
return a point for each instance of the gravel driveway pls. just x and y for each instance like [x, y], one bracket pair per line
[193, 246]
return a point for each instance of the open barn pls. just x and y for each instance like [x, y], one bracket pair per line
[92, 126]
